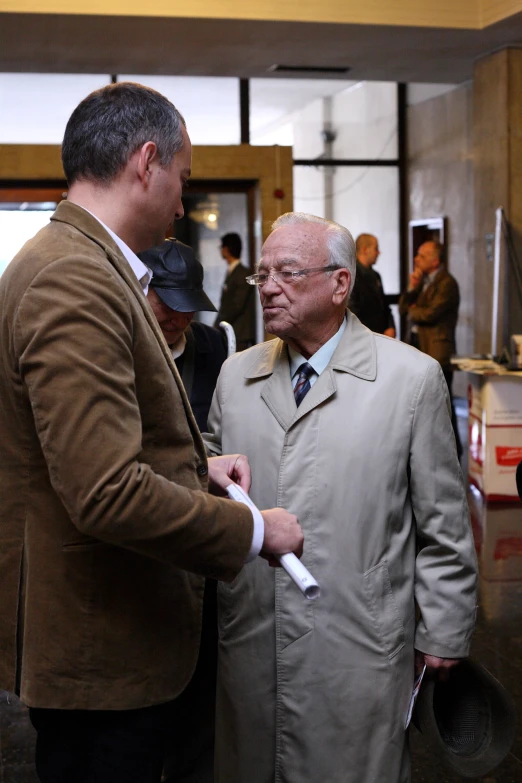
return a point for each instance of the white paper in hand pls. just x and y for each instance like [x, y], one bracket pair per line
[292, 565]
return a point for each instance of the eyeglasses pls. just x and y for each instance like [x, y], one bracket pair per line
[286, 275]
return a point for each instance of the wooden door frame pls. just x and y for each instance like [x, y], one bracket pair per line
[270, 168]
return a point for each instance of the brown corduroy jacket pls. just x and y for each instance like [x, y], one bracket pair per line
[106, 527]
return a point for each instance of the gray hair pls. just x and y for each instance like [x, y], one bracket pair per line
[339, 241]
[110, 124]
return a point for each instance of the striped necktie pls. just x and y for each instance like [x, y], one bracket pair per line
[302, 386]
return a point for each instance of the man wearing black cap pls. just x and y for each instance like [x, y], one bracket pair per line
[175, 294]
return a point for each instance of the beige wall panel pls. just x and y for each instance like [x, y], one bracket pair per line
[31, 161]
[491, 163]
[270, 166]
[441, 184]
[430, 13]
[492, 11]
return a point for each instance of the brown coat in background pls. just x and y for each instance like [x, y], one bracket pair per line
[435, 311]
[103, 480]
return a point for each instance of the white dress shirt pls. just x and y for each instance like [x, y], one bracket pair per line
[319, 361]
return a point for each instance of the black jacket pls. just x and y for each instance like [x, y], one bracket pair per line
[238, 307]
[368, 301]
[199, 367]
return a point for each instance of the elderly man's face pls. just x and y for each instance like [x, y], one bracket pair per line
[172, 323]
[302, 310]
[427, 259]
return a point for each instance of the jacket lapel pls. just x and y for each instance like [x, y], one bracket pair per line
[70, 213]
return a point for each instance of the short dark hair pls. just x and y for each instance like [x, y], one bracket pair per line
[233, 243]
[110, 124]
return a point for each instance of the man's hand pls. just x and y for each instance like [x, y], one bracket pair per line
[223, 470]
[283, 534]
[415, 279]
[389, 332]
[436, 667]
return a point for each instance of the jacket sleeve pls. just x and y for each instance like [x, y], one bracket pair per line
[446, 299]
[355, 302]
[390, 323]
[212, 438]
[407, 298]
[446, 567]
[74, 339]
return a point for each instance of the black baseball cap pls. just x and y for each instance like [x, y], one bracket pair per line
[177, 276]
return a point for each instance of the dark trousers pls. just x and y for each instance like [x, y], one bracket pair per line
[135, 746]
[101, 746]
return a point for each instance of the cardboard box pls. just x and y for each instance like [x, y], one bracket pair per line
[495, 434]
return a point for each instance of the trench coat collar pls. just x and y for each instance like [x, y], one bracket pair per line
[356, 354]
[87, 224]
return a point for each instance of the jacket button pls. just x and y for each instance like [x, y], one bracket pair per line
[202, 470]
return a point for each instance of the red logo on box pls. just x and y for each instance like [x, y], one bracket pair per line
[508, 456]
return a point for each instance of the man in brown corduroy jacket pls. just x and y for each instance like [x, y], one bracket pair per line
[106, 525]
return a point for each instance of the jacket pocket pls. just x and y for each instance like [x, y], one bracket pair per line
[383, 608]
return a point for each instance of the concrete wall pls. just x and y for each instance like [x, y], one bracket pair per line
[440, 152]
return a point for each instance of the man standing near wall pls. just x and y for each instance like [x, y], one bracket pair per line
[237, 305]
[432, 306]
[368, 301]
[106, 524]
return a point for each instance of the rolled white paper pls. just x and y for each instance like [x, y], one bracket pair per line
[292, 565]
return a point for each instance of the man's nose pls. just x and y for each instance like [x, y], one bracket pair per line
[272, 285]
[180, 211]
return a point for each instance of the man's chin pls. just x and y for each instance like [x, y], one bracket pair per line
[273, 325]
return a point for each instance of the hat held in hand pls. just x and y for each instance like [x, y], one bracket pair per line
[468, 720]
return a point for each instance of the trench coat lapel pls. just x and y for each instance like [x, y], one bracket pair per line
[68, 212]
[355, 354]
[277, 390]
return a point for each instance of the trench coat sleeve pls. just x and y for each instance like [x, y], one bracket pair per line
[74, 339]
[445, 299]
[212, 439]
[446, 567]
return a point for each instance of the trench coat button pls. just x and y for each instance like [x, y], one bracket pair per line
[202, 470]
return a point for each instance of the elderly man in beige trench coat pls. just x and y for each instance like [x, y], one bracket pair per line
[318, 692]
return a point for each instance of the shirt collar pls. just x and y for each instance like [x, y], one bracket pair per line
[232, 266]
[137, 266]
[432, 275]
[179, 346]
[321, 358]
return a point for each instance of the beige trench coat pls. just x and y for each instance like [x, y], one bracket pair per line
[318, 692]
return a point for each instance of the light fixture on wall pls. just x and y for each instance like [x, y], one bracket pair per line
[206, 213]
[309, 69]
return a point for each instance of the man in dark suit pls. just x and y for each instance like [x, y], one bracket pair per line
[367, 300]
[237, 305]
[107, 527]
[175, 295]
[432, 305]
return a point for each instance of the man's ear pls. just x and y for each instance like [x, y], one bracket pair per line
[144, 158]
[342, 279]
